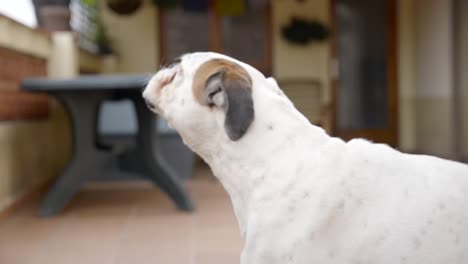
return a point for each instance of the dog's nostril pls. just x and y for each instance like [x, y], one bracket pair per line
[149, 104]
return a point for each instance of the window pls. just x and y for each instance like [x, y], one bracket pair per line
[245, 37]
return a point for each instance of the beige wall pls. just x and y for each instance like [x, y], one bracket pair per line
[16, 36]
[31, 151]
[314, 61]
[425, 68]
[463, 76]
[406, 75]
[292, 61]
[434, 77]
[66, 59]
[63, 59]
[134, 38]
[431, 122]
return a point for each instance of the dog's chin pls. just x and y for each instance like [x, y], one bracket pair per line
[158, 111]
[155, 109]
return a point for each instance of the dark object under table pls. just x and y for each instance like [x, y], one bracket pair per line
[82, 97]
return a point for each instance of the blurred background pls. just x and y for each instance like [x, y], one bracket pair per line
[391, 71]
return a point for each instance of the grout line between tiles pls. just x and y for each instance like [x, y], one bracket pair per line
[193, 239]
[53, 233]
[123, 233]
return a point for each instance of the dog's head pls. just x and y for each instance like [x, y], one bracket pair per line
[205, 96]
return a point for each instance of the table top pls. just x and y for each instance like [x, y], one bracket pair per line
[88, 83]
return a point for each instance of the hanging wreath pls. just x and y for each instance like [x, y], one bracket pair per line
[167, 4]
[124, 7]
[302, 31]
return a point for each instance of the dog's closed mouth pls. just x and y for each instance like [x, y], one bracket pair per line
[150, 105]
[153, 107]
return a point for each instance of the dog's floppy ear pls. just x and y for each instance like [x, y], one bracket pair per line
[231, 91]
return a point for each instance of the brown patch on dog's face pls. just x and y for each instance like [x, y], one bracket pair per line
[232, 71]
[226, 85]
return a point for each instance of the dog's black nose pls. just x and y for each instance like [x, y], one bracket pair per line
[149, 104]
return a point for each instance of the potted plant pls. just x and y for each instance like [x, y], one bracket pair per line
[102, 40]
[53, 15]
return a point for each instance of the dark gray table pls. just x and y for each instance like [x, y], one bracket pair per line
[91, 160]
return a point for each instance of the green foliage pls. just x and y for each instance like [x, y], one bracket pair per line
[166, 3]
[89, 2]
[102, 39]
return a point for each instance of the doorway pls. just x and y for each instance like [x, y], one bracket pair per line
[365, 83]
[246, 37]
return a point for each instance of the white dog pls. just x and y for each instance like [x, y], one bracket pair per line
[299, 195]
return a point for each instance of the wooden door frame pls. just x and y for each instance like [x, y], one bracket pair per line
[215, 35]
[389, 134]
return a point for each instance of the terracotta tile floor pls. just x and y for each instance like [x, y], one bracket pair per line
[126, 222]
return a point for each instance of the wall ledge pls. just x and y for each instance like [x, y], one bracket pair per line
[95, 63]
[23, 39]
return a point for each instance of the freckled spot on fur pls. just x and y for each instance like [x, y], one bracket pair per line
[423, 231]
[406, 193]
[299, 169]
[380, 239]
[291, 209]
[182, 102]
[403, 260]
[306, 195]
[270, 127]
[429, 222]
[265, 258]
[312, 236]
[441, 206]
[364, 225]
[287, 189]
[457, 239]
[331, 254]
[416, 243]
[341, 205]
[288, 258]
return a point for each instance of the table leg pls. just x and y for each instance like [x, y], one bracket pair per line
[87, 162]
[147, 160]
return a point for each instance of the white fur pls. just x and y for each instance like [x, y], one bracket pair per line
[301, 196]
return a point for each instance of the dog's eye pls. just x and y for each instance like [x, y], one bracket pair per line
[214, 92]
[168, 80]
[211, 94]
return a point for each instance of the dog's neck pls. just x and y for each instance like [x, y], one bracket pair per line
[265, 152]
